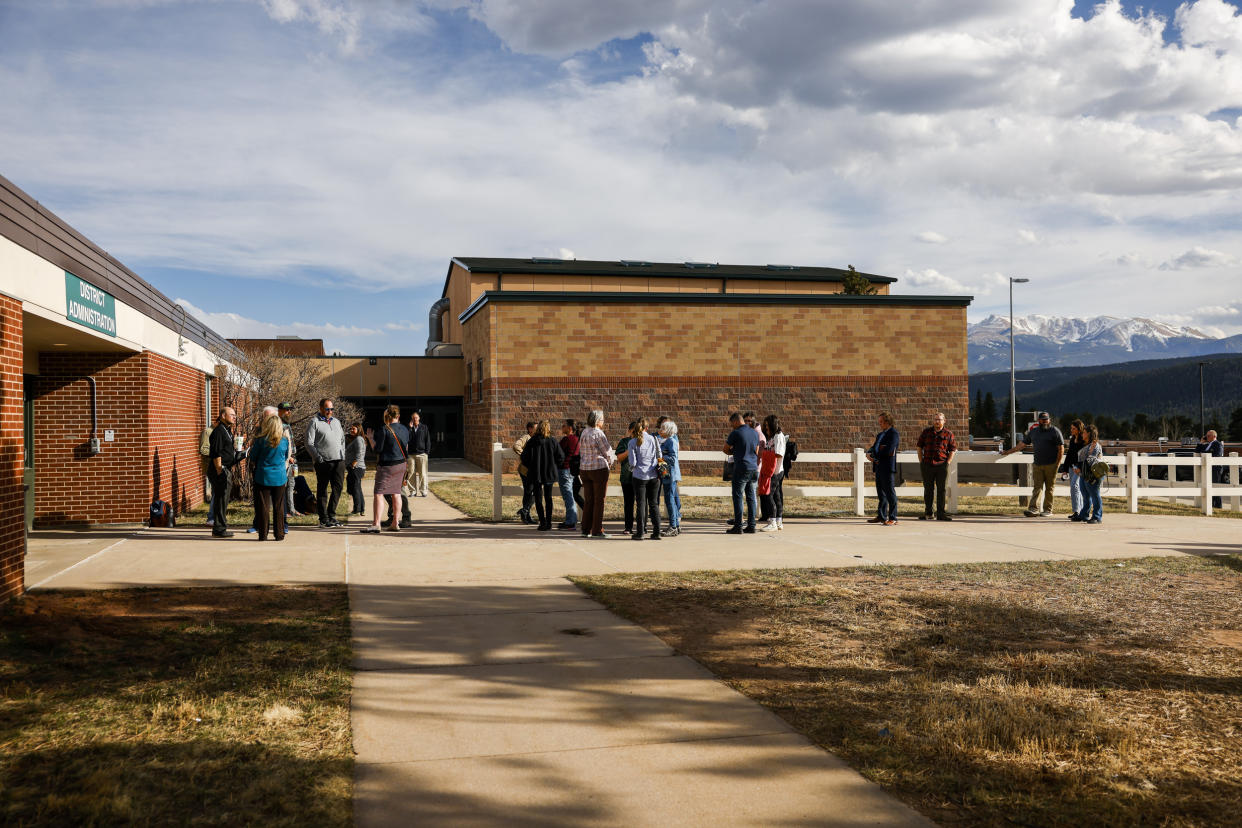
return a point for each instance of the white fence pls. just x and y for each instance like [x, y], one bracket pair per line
[1129, 469]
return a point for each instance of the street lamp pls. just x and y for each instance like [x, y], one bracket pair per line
[1013, 399]
[1202, 427]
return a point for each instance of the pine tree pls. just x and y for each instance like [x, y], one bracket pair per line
[1235, 425]
[977, 423]
[855, 284]
[987, 414]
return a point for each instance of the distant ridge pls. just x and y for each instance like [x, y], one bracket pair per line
[1052, 341]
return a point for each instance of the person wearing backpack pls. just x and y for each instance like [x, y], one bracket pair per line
[1089, 456]
[772, 474]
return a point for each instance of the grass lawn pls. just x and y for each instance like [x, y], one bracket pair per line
[176, 707]
[1041, 694]
[474, 497]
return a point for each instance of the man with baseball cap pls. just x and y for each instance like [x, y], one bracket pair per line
[1048, 447]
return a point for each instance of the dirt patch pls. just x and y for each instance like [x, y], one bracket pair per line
[1226, 638]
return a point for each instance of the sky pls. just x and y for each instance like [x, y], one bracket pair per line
[310, 167]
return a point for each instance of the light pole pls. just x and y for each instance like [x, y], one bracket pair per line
[1202, 426]
[1013, 400]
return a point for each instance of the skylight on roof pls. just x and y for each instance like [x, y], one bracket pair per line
[634, 263]
[545, 260]
[697, 265]
[782, 267]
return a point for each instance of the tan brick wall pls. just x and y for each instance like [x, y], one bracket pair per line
[728, 340]
[12, 499]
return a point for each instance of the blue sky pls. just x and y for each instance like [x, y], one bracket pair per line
[310, 166]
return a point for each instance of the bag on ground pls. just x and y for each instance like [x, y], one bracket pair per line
[161, 515]
[303, 499]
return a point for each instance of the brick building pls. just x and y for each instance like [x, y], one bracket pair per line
[554, 338]
[105, 385]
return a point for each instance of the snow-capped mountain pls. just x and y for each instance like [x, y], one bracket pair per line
[1049, 341]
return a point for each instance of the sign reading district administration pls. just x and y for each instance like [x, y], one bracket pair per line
[88, 305]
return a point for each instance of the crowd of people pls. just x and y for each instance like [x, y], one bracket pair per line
[647, 461]
[338, 454]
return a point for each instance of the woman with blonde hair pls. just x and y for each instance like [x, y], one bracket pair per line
[271, 474]
[390, 454]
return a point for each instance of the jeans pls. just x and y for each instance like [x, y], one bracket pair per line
[1042, 478]
[647, 499]
[355, 490]
[1075, 487]
[528, 493]
[744, 482]
[221, 488]
[269, 503]
[1093, 505]
[293, 473]
[567, 494]
[672, 503]
[886, 491]
[543, 502]
[331, 473]
[935, 477]
[594, 488]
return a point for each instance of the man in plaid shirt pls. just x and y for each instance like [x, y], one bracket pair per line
[936, 449]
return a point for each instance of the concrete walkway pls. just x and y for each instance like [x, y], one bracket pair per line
[491, 691]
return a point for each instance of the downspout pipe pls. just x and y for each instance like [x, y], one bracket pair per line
[435, 324]
[94, 413]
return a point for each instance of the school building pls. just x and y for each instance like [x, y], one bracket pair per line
[105, 385]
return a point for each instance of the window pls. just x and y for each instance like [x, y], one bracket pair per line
[479, 374]
[469, 380]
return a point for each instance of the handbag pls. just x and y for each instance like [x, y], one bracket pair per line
[728, 471]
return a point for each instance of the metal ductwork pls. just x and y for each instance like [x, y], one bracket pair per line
[435, 325]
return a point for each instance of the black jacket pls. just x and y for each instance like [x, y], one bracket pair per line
[543, 457]
[420, 440]
[1071, 454]
[222, 447]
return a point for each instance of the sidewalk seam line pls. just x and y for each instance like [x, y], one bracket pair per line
[567, 660]
[760, 734]
[486, 614]
[84, 560]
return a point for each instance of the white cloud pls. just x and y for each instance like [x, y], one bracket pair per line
[1229, 313]
[931, 237]
[404, 325]
[934, 280]
[1028, 237]
[236, 326]
[1199, 257]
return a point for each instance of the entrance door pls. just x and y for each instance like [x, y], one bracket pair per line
[28, 472]
[444, 419]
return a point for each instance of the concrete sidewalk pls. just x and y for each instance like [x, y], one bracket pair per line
[491, 691]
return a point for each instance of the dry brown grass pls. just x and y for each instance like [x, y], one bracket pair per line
[1063, 693]
[176, 707]
[474, 497]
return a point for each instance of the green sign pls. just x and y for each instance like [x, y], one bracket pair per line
[88, 305]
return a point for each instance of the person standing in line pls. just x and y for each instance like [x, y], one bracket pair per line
[227, 451]
[528, 491]
[270, 457]
[1090, 454]
[285, 410]
[936, 449]
[268, 411]
[883, 456]
[390, 455]
[420, 450]
[643, 452]
[670, 450]
[743, 445]
[1049, 448]
[568, 471]
[325, 442]
[543, 459]
[1211, 445]
[596, 456]
[356, 467]
[622, 450]
[772, 463]
[1076, 442]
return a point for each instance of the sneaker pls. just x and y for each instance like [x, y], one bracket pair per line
[750, 530]
[1046, 513]
[543, 528]
[771, 527]
[1094, 520]
[405, 524]
[566, 526]
[636, 536]
[324, 524]
[944, 517]
[600, 536]
[780, 523]
[251, 531]
[222, 534]
[1030, 513]
[657, 537]
[392, 528]
[370, 530]
[890, 522]
[1076, 518]
[876, 520]
[925, 516]
[733, 531]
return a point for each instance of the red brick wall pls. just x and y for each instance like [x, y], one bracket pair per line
[821, 413]
[155, 407]
[12, 502]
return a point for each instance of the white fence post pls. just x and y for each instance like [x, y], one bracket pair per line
[1132, 480]
[498, 467]
[860, 480]
[1205, 471]
[1235, 502]
[951, 484]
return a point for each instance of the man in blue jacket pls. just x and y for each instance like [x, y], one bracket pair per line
[883, 456]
